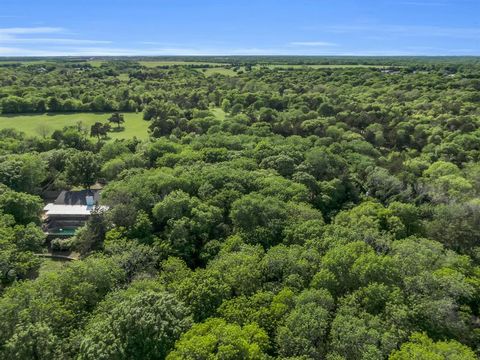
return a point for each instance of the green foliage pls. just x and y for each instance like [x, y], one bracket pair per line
[422, 347]
[16, 245]
[54, 304]
[92, 235]
[216, 339]
[23, 173]
[290, 208]
[140, 325]
[32, 342]
[116, 118]
[82, 168]
[305, 328]
[188, 222]
[23, 207]
[261, 218]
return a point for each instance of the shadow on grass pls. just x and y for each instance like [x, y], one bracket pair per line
[117, 129]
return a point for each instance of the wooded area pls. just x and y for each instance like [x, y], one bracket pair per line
[271, 213]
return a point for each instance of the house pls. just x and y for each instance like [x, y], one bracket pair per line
[69, 211]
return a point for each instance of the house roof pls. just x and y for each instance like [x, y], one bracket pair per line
[70, 210]
[77, 197]
[78, 210]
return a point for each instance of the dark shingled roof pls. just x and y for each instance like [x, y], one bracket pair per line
[77, 197]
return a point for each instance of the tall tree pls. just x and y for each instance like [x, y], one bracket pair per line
[82, 168]
[117, 118]
[142, 326]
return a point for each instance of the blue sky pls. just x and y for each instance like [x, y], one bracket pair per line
[240, 27]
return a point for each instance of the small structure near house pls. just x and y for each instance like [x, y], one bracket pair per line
[70, 211]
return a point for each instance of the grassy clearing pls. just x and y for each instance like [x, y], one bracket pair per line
[218, 70]
[96, 63]
[155, 63]
[31, 123]
[313, 66]
[52, 265]
[176, 63]
[123, 77]
[26, 62]
[218, 113]
[231, 72]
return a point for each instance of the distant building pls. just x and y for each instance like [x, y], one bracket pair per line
[70, 211]
[391, 71]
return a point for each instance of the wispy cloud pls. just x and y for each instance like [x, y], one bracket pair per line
[30, 35]
[57, 41]
[170, 51]
[153, 51]
[30, 30]
[408, 30]
[150, 43]
[80, 51]
[312, 43]
[53, 41]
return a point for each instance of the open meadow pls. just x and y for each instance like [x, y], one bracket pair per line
[46, 124]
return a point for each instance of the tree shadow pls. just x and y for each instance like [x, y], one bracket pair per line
[117, 129]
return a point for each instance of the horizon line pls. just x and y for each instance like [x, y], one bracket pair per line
[236, 55]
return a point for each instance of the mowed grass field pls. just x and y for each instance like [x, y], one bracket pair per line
[178, 63]
[315, 66]
[36, 124]
[52, 266]
[154, 63]
[218, 70]
[31, 124]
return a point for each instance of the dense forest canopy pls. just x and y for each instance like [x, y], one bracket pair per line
[327, 213]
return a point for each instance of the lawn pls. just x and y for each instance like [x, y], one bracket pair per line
[154, 63]
[123, 77]
[30, 124]
[52, 265]
[315, 66]
[218, 113]
[218, 70]
[26, 62]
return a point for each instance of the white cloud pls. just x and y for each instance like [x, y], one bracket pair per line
[170, 51]
[30, 30]
[28, 35]
[407, 30]
[83, 51]
[150, 43]
[111, 51]
[312, 43]
[53, 41]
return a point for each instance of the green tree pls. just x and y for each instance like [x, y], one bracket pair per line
[92, 235]
[116, 118]
[216, 339]
[260, 218]
[96, 130]
[421, 347]
[82, 168]
[25, 208]
[144, 325]
[32, 341]
[304, 330]
[24, 173]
